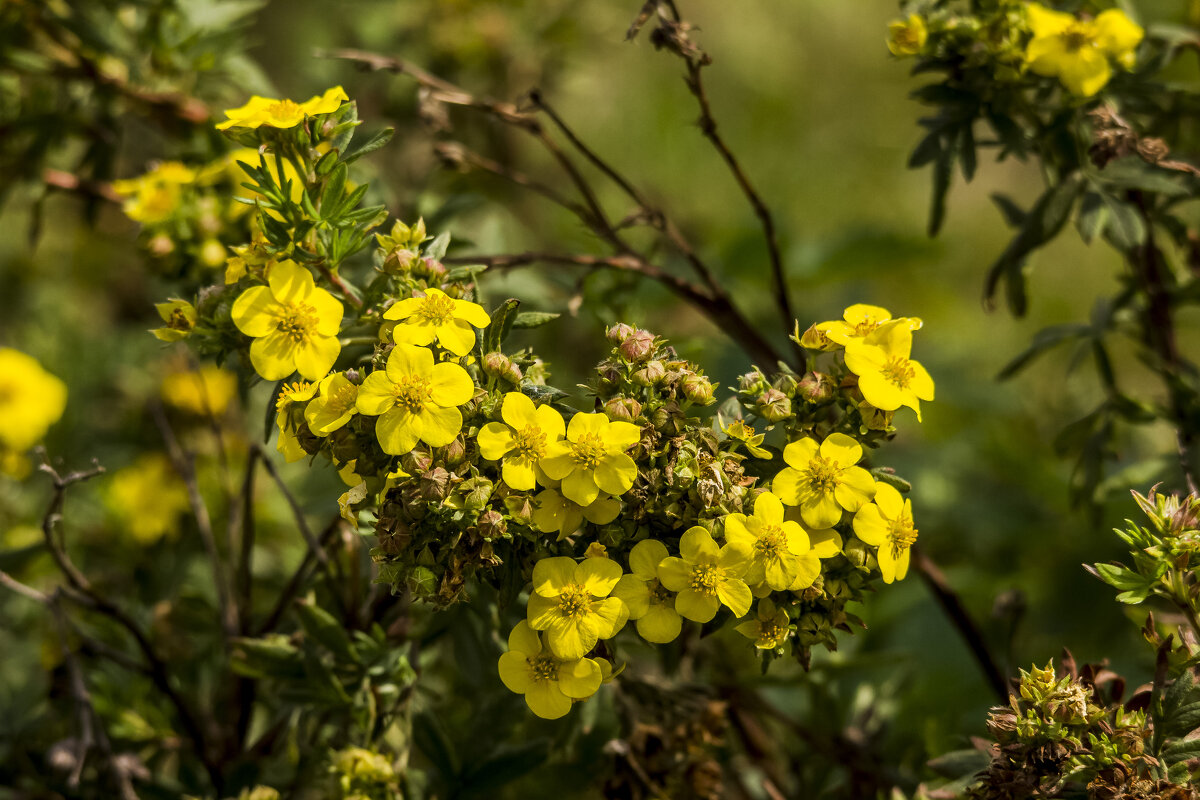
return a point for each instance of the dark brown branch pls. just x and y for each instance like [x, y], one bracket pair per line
[953, 605]
[80, 590]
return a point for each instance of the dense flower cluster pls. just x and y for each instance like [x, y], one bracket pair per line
[472, 469]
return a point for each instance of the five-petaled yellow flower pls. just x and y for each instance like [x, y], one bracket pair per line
[651, 605]
[859, 321]
[522, 439]
[706, 577]
[887, 377]
[261, 111]
[739, 431]
[155, 196]
[294, 324]
[31, 400]
[888, 524]
[592, 458]
[553, 512]
[906, 37]
[147, 498]
[1077, 51]
[774, 544]
[333, 406]
[438, 316]
[823, 479]
[549, 683]
[769, 628]
[415, 399]
[571, 603]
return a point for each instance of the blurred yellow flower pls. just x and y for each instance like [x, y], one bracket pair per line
[155, 196]
[146, 498]
[887, 377]
[823, 479]
[887, 523]
[204, 392]
[570, 601]
[522, 439]
[1077, 51]
[592, 458]
[260, 111]
[706, 577]
[906, 37]
[415, 399]
[294, 324]
[549, 683]
[31, 400]
[651, 605]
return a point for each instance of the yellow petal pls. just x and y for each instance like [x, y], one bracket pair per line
[254, 311]
[661, 624]
[697, 545]
[633, 592]
[695, 606]
[603, 509]
[315, 357]
[290, 283]
[598, 575]
[841, 448]
[799, 453]
[552, 575]
[407, 359]
[514, 672]
[376, 395]
[456, 336]
[768, 508]
[436, 426]
[518, 411]
[580, 486]
[615, 473]
[395, 432]
[870, 525]
[450, 384]
[735, 594]
[645, 557]
[787, 486]
[579, 679]
[329, 312]
[472, 313]
[518, 473]
[547, 701]
[495, 440]
[674, 573]
[856, 487]
[820, 511]
[273, 356]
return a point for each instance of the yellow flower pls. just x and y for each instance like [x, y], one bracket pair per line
[155, 196]
[822, 479]
[887, 377]
[438, 317]
[592, 458]
[861, 320]
[522, 439]
[31, 400]
[775, 544]
[147, 498]
[706, 577]
[1077, 51]
[570, 602]
[180, 317]
[553, 512]
[290, 395]
[333, 406]
[651, 605]
[770, 627]
[261, 111]
[549, 683]
[888, 524]
[741, 432]
[906, 37]
[415, 399]
[206, 391]
[294, 324]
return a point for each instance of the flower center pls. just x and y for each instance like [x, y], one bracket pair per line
[343, 399]
[437, 310]
[823, 474]
[902, 534]
[287, 395]
[543, 668]
[297, 322]
[412, 392]
[574, 601]
[770, 631]
[868, 324]
[530, 443]
[179, 321]
[588, 450]
[898, 371]
[704, 579]
[1075, 38]
[659, 594]
[771, 542]
[284, 108]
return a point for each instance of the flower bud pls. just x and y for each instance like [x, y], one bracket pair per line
[492, 524]
[422, 583]
[454, 453]
[399, 261]
[499, 365]
[816, 387]
[812, 629]
[649, 375]
[857, 552]
[619, 332]
[434, 484]
[161, 245]
[595, 550]
[751, 383]
[637, 346]
[623, 409]
[774, 406]
[212, 253]
[698, 389]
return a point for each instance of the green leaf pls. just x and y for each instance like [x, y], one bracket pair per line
[324, 628]
[1178, 751]
[1133, 174]
[494, 333]
[1125, 228]
[926, 151]
[371, 145]
[437, 248]
[273, 657]
[533, 319]
[1119, 577]
[464, 273]
[1013, 214]
[1092, 216]
[1043, 341]
[961, 763]
[431, 739]
[943, 171]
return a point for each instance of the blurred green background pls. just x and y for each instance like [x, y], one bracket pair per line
[808, 96]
